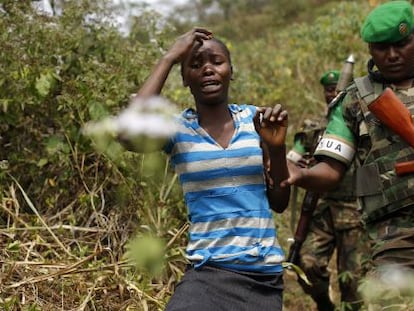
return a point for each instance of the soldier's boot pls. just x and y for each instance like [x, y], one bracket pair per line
[324, 303]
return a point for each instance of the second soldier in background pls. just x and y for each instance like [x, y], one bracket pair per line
[335, 224]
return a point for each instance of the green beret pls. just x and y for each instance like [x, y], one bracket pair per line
[330, 77]
[389, 22]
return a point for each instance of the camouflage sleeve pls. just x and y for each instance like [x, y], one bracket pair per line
[297, 151]
[338, 141]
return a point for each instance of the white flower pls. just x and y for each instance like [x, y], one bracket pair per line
[152, 117]
[146, 123]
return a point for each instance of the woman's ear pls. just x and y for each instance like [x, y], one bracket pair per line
[231, 71]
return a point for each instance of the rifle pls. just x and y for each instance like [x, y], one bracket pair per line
[389, 109]
[311, 198]
[308, 206]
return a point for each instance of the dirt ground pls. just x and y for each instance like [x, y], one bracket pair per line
[294, 297]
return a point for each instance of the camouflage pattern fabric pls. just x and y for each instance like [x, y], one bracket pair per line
[393, 239]
[309, 134]
[335, 226]
[353, 133]
[385, 192]
[387, 200]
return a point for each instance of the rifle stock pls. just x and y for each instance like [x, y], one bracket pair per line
[403, 168]
[389, 109]
[308, 206]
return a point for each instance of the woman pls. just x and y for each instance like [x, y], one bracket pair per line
[233, 249]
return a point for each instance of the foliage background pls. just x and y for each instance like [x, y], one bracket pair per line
[73, 214]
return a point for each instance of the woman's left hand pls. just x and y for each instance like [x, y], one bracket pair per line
[271, 124]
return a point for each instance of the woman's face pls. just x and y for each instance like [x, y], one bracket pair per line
[207, 72]
[395, 61]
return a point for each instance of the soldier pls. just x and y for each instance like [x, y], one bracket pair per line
[357, 133]
[335, 224]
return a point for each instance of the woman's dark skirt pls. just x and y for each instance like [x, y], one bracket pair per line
[216, 289]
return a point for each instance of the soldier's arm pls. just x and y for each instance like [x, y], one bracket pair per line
[335, 152]
[322, 177]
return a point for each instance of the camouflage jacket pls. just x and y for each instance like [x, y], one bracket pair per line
[354, 134]
[305, 142]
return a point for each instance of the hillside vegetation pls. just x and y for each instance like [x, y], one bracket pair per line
[86, 226]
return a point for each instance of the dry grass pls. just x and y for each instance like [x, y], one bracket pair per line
[49, 265]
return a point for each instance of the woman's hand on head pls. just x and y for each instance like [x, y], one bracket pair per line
[271, 124]
[184, 43]
[177, 53]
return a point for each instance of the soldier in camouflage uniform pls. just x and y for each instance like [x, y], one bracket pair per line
[354, 134]
[335, 224]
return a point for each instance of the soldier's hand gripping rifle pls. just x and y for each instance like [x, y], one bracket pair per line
[389, 109]
[311, 198]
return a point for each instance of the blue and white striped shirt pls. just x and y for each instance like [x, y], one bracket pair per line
[231, 222]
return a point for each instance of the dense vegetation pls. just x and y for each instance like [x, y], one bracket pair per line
[91, 227]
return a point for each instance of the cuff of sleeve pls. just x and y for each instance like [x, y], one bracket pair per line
[293, 156]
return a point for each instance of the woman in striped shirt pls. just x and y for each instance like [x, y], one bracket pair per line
[235, 258]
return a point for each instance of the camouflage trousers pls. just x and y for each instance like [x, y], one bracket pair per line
[390, 279]
[335, 226]
[393, 239]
